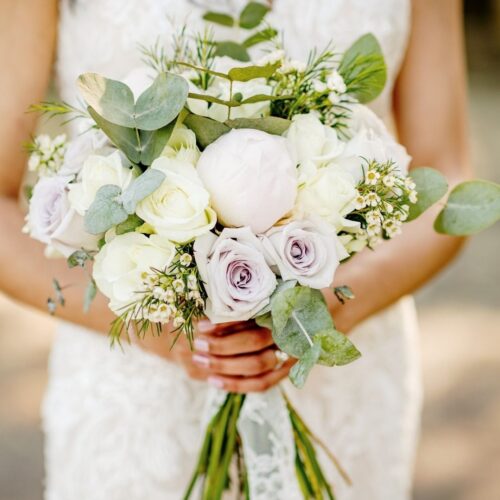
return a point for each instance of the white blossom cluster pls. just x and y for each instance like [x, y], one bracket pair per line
[47, 154]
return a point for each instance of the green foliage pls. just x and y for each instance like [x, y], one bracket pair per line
[471, 207]
[205, 129]
[336, 348]
[270, 124]
[431, 186]
[252, 15]
[153, 142]
[131, 224]
[89, 296]
[219, 18]
[106, 211]
[301, 369]
[266, 35]
[247, 73]
[140, 188]
[363, 69]
[343, 294]
[78, 258]
[233, 50]
[160, 103]
[52, 109]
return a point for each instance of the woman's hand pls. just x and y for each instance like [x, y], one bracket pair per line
[237, 357]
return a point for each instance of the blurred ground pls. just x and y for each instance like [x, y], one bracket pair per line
[459, 457]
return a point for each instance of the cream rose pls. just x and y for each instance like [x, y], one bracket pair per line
[306, 251]
[251, 178]
[53, 221]
[179, 209]
[330, 194]
[237, 278]
[121, 264]
[182, 145]
[98, 171]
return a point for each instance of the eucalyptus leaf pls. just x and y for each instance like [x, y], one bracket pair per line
[78, 258]
[213, 100]
[131, 224]
[264, 97]
[431, 186]
[282, 285]
[205, 129]
[252, 15]
[270, 124]
[247, 73]
[106, 211]
[336, 348]
[233, 50]
[472, 206]
[140, 188]
[162, 102]
[89, 296]
[154, 142]
[298, 314]
[260, 37]
[300, 370]
[112, 99]
[125, 139]
[363, 69]
[219, 18]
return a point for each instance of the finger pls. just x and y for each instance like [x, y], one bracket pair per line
[236, 343]
[244, 385]
[206, 327]
[243, 365]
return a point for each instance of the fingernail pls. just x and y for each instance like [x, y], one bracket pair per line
[201, 345]
[200, 360]
[205, 326]
[216, 382]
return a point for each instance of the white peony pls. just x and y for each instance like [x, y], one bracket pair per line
[251, 178]
[237, 278]
[122, 264]
[307, 251]
[98, 171]
[53, 221]
[179, 209]
[330, 194]
[312, 144]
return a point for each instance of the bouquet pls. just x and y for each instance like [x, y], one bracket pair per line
[232, 186]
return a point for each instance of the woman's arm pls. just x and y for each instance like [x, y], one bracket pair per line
[28, 31]
[430, 107]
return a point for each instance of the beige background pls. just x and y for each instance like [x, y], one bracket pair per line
[459, 456]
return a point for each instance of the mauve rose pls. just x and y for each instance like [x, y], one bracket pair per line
[53, 221]
[306, 251]
[237, 278]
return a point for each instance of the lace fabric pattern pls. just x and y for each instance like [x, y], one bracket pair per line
[128, 425]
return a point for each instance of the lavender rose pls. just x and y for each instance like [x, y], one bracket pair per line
[53, 221]
[238, 279]
[306, 251]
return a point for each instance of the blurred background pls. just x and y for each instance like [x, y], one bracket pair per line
[459, 455]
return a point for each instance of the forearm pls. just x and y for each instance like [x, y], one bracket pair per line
[27, 274]
[397, 267]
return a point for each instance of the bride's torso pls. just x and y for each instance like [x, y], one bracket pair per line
[104, 35]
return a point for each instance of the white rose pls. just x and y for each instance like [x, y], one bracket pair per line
[237, 278]
[307, 251]
[53, 221]
[371, 141]
[312, 144]
[182, 145]
[98, 171]
[121, 265]
[330, 194]
[251, 178]
[179, 209]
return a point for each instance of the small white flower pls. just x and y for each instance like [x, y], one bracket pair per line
[409, 183]
[373, 229]
[158, 292]
[272, 58]
[34, 162]
[374, 217]
[192, 282]
[178, 321]
[374, 241]
[186, 259]
[194, 295]
[389, 180]
[388, 207]
[360, 202]
[178, 285]
[169, 296]
[413, 197]
[372, 177]
[372, 199]
[334, 98]
[319, 86]
[336, 82]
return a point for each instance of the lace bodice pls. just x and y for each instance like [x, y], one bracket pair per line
[104, 35]
[127, 425]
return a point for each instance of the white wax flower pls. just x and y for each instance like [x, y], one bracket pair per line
[121, 265]
[238, 280]
[307, 251]
[53, 221]
[179, 209]
[98, 171]
[251, 178]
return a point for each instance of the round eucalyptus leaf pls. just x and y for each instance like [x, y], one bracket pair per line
[431, 186]
[106, 210]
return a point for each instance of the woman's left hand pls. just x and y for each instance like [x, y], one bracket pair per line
[238, 357]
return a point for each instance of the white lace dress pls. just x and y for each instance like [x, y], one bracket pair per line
[126, 426]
